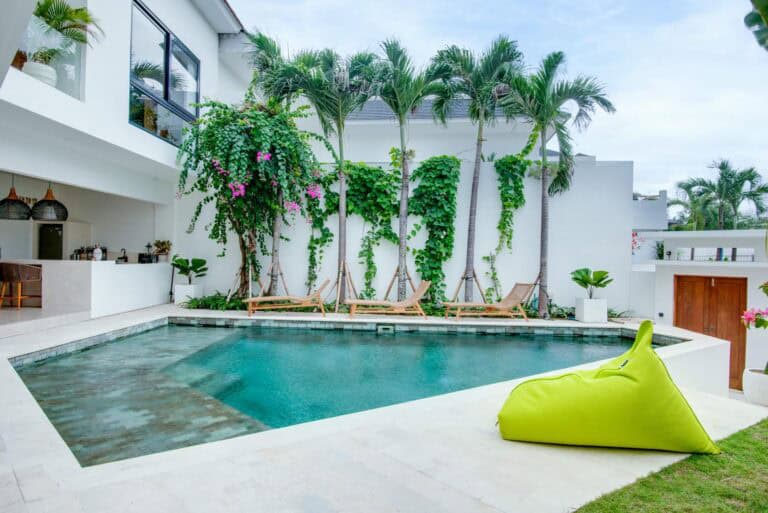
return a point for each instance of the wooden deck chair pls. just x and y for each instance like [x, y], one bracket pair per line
[510, 306]
[288, 302]
[408, 306]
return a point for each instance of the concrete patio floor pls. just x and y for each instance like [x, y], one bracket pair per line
[440, 454]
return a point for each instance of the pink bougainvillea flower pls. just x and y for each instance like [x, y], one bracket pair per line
[292, 206]
[237, 188]
[274, 183]
[263, 156]
[314, 191]
[749, 316]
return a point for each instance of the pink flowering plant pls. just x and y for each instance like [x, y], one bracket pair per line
[757, 317]
[253, 165]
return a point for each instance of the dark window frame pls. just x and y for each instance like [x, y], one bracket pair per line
[164, 100]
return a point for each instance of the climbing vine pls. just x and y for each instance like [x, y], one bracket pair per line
[372, 195]
[251, 163]
[434, 199]
[320, 236]
[510, 174]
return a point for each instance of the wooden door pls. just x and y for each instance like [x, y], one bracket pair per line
[713, 306]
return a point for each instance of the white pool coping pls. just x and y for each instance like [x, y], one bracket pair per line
[440, 454]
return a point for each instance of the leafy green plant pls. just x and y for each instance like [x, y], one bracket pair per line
[254, 166]
[434, 199]
[659, 250]
[217, 301]
[71, 25]
[162, 247]
[591, 280]
[194, 268]
[372, 194]
[757, 21]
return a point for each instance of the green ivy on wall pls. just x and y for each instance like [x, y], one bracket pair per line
[434, 199]
[510, 174]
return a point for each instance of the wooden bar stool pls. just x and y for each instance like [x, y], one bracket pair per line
[13, 276]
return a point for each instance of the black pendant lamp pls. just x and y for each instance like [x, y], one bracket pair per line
[49, 209]
[12, 207]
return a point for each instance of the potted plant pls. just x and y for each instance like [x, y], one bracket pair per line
[194, 268]
[162, 249]
[591, 309]
[755, 381]
[55, 29]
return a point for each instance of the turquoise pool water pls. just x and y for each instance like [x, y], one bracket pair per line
[177, 386]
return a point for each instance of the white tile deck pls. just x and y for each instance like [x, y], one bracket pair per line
[441, 454]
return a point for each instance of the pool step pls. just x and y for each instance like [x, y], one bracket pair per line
[217, 385]
[191, 375]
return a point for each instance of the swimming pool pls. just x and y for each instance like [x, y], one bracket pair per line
[176, 386]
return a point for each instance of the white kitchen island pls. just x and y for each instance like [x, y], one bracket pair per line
[99, 288]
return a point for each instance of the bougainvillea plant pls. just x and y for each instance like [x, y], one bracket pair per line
[254, 166]
[757, 317]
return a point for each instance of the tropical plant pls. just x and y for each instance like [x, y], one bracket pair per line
[434, 200]
[335, 87]
[74, 25]
[540, 99]
[696, 212]
[591, 280]
[727, 192]
[757, 21]
[194, 268]
[254, 166]
[757, 317]
[481, 80]
[402, 88]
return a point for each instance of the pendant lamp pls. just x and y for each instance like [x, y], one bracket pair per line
[12, 207]
[49, 209]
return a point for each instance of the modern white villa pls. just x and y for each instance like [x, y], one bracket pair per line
[90, 144]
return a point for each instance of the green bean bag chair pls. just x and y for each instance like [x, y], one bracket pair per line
[630, 401]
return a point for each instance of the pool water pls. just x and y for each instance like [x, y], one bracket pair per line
[178, 385]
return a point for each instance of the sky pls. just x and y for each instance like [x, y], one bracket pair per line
[688, 80]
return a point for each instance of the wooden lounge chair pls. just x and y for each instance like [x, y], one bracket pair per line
[288, 302]
[510, 306]
[408, 306]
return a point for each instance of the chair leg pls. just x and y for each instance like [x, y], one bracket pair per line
[322, 308]
[3, 286]
[352, 310]
[18, 296]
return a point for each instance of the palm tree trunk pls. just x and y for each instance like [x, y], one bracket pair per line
[469, 269]
[277, 227]
[735, 216]
[403, 220]
[544, 235]
[720, 217]
[342, 271]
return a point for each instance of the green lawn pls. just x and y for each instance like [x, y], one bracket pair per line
[734, 481]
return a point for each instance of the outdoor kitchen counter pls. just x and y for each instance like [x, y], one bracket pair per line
[102, 287]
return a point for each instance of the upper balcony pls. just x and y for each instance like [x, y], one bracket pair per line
[122, 98]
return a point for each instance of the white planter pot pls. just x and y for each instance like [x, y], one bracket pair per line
[591, 310]
[755, 382]
[42, 72]
[183, 293]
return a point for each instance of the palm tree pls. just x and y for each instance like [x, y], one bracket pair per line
[730, 190]
[403, 89]
[539, 99]
[481, 80]
[76, 24]
[696, 209]
[335, 87]
[757, 21]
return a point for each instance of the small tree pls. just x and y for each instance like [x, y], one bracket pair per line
[254, 166]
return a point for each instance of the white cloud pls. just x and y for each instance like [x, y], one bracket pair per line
[687, 78]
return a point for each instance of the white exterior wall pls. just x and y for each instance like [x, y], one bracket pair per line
[756, 274]
[581, 234]
[650, 214]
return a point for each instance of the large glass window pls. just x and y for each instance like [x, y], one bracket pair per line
[165, 78]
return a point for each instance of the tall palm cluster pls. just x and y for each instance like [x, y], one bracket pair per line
[710, 204]
[493, 84]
